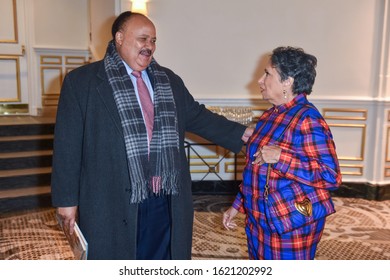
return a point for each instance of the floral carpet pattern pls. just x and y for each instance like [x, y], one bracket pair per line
[360, 229]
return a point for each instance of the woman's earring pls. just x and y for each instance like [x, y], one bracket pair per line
[285, 94]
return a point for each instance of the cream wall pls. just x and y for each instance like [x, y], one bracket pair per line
[220, 47]
[102, 16]
[61, 23]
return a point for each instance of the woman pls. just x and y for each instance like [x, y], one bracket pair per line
[294, 140]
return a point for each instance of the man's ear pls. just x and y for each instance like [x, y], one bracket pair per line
[119, 38]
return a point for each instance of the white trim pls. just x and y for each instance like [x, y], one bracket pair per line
[122, 6]
[384, 69]
[42, 49]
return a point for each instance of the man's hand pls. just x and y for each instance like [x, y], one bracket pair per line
[68, 217]
[247, 133]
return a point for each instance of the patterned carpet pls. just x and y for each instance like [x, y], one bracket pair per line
[359, 230]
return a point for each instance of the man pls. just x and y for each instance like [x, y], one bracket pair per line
[126, 179]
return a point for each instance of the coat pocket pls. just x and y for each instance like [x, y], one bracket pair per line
[295, 206]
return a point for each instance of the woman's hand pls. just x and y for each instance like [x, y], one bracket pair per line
[228, 218]
[267, 154]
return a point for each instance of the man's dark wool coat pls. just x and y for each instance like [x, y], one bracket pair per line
[90, 164]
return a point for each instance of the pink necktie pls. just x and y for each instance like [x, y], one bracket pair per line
[148, 110]
[146, 103]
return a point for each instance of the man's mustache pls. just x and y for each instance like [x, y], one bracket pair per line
[147, 52]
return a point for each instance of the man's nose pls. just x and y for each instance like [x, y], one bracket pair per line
[261, 80]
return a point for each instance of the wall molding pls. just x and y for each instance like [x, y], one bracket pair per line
[360, 127]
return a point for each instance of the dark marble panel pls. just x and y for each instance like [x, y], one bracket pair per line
[10, 205]
[26, 129]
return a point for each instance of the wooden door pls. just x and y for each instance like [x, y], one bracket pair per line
[13, 62]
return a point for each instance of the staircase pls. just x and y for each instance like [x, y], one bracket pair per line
[25, 165]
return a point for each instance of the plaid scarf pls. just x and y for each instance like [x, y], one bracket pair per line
[160, 168]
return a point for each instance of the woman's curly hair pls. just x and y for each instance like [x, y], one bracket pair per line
[295, 63]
